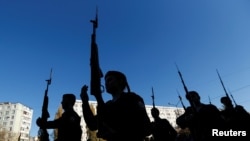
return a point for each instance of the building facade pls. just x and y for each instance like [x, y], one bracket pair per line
[15, 121]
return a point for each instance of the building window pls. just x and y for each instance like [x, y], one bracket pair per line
[22, 129]
[4, 123]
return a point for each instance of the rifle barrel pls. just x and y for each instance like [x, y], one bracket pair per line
[233, 100]
[182, 80]
[180, 98]
[222, 84]
[153, 97]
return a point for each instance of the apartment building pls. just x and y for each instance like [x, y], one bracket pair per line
[15, 121]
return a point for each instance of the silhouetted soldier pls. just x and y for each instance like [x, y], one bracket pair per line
[161, 129]
[68, 124]
[229, 114]
[200, 118]
[236, 118]
[244, 121]
[124, 118]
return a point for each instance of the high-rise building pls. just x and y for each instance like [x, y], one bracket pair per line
[169, 113]
[15, 121]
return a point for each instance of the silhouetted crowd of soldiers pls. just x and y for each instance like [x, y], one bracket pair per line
[124, 117]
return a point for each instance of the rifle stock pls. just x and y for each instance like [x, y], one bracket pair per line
[43, 133]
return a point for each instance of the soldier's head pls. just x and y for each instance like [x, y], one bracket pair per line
[155, 112]
[115, 81]
[68, 101]
[193, 96]
[226, 101]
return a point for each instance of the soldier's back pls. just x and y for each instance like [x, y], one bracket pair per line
[69, 128]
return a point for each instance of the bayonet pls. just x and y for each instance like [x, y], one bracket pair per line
[95, 22]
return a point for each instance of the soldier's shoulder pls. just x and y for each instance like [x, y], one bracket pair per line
[135, 100]
[133, 95]
[210, 108]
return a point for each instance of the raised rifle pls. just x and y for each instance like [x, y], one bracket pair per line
[153, 97]
[185, 88]
[233, 100]
[222, 84]
[182, 81]
[209, 100]
[96, 73]
[184, 107]
[96, 88]
[43, 133]
[193, 110]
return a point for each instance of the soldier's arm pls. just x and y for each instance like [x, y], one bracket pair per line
[88, 115]
[53, 124]
[47, 124]
[171, 129]
[186, 119]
